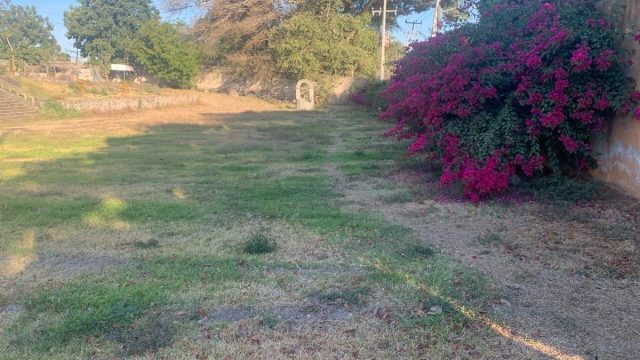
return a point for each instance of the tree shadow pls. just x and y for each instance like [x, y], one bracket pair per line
[172, 175]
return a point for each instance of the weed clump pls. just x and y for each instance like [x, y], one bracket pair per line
[152, 243]
[420, 251]
[491, 238]
[350, 296]
[56, 110]
[259, 243]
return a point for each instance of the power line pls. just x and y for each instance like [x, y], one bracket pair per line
[412, 34]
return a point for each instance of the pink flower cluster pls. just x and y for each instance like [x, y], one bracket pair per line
[524, 85]
[491, 177]
[580, 59]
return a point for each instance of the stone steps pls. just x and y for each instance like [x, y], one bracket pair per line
[13, 108]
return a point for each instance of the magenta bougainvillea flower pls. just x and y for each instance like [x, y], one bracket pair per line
[522, 89]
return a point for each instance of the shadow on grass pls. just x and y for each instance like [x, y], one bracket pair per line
[172, 174]
[203, 175]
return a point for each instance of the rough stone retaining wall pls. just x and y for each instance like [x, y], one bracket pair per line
[619, 160]
[129, 103]
[221, 80]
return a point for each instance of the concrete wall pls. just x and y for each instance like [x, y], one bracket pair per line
[129, 103]
[619, 162]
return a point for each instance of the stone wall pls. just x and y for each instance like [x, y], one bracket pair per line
[129, 103]
[619, 160]
[221, 80]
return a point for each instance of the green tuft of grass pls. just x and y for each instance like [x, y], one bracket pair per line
[351, 296]
[270, 320]
[420, 251]
[258, 244]
[151, 243]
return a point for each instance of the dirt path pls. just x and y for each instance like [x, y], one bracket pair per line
[554, 300]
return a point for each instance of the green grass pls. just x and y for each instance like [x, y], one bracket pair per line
[187, 207]
[76, 310]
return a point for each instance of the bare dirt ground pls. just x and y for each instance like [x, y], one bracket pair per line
[570, 276]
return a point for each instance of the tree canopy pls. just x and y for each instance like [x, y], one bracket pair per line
[104, 30]
[257, 36]
[166, 54]
[330, 44]
[25, 35]
[353, 7]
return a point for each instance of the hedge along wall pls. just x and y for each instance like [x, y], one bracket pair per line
[619, 148]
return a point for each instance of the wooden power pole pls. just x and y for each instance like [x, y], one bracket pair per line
[435, 28]
[383, 33]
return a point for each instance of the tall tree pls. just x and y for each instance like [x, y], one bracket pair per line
[166, 54]
[236, 32]
[25, 35]
[104, 30]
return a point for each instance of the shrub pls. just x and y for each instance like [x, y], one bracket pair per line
[370, 95]
[259, 244]
[520, 91]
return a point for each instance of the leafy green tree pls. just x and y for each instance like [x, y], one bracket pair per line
[25, 35]
[307, 45]
[104, 30]
[166, 54]
[238, 33]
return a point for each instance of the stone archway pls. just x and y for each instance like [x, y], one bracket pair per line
[305, 97]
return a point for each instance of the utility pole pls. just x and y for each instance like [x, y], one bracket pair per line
[411, 34]
[383, 33]
[435, 28]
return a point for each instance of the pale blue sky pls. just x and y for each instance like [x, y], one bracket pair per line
[54, 10]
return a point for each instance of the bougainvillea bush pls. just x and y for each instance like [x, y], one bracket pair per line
[519, 92]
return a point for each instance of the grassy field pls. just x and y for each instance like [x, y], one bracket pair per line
[229, 236]
[220, 239]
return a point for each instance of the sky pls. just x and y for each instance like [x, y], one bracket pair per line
[423, 30]
[54, 10]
